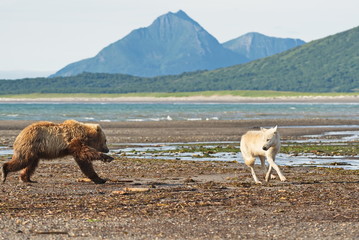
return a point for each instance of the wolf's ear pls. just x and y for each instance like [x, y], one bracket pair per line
[275, 128]
[263, 129]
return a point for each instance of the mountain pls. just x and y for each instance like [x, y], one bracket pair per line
[172, 44]
[325, 65]
[255, 45]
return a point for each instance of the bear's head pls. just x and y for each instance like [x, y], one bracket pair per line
[97, 138]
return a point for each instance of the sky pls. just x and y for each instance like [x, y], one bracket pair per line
[46, 35]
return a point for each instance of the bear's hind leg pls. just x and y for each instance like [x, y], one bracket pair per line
[29, 170]
[13, 165]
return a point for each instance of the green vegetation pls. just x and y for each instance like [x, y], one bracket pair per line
[204, 148]
[326, 65]
[239, 93]
[349, 149]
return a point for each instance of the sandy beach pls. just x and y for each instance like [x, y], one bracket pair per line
[169, 199]
[213, 98]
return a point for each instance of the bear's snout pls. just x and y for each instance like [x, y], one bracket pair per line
[105, 150]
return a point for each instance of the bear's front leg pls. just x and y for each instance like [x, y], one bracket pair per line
[87, 168]
[83, 156]
[79, 150]
[105, 158]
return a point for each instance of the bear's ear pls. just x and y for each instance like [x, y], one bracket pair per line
[94, 127]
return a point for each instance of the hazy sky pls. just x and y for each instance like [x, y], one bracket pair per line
[46, 35]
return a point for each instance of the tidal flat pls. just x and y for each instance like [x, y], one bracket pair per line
[159, 198]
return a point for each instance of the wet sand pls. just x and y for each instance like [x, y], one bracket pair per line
[159, 199]
[194, 131]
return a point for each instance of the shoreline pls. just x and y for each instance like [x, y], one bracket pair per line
[143, 198]
[195, 131]
[204, 99]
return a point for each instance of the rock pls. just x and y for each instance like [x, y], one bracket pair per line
[128, 189]
[120, 192]
[83, 180]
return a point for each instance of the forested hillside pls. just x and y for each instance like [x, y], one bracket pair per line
[326, 65]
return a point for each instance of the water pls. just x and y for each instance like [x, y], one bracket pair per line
[191, 112]
[107, 112]
[161, 150]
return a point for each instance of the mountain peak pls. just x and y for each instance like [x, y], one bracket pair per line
[253, 34]
[178, 15]
[255, 45]
[174, 43]
[183, 15]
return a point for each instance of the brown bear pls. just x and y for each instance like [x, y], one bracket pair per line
[47, 140]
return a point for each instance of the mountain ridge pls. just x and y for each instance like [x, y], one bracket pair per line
[329, 64]
[174, 43]
[255, 45]
[325, 65]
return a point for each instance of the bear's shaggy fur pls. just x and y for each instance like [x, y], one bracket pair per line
[47, 140]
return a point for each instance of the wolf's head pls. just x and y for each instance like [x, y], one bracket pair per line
[270, 137]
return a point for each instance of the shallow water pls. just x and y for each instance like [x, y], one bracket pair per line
[160, 151]
[345, 162]
[192, 111]
[336, 137]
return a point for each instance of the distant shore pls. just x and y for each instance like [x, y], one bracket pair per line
[214, 98]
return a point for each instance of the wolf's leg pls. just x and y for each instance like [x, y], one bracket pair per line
[269, 174]
[250, 163]
[263, 163]
[256, 180]
[275, 166]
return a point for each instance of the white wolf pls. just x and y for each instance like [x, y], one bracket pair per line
[264, 144]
